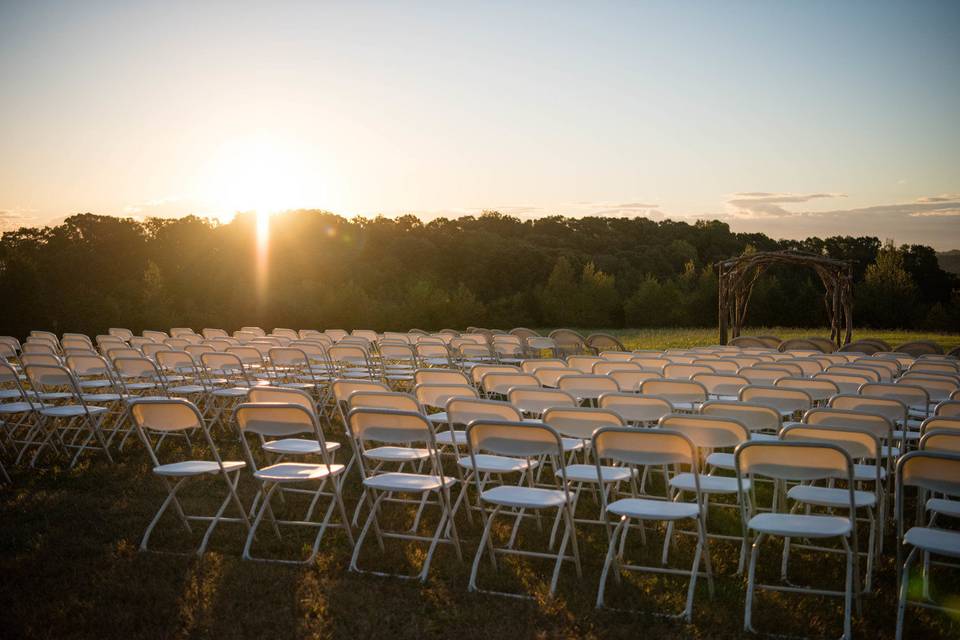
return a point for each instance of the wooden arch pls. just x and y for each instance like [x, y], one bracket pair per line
[738, 275]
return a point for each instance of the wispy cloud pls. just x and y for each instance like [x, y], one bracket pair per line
[944, 197]
[15, 217]
[151, 205]
[765, 204]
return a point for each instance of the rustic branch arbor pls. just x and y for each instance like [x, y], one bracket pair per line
[738, 275]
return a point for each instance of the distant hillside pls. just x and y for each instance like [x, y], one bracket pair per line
[950, 261]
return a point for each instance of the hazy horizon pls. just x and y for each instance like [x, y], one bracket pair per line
[791, 119]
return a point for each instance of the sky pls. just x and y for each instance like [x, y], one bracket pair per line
[788, 118]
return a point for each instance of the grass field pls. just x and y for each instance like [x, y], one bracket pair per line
[70, 567]
[663, 338]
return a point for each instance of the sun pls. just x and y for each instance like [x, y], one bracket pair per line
[260, 172]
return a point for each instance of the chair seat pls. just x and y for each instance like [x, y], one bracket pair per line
[297, 446]
[70, 411]
[18, 407]
[297, 472]
[101, 397]
[438, 418]
[54, 395]
[452, 437]
[708, 484]
[569, 444]
[196, 467]
[644, 509]
[231, 392]
[588, 473]
[140, 386]
[800, 526]
[487, 463]
[525, 497]
[831, 496]
[867, 473]
[939, 541]
[188, 388]
[94, 384]
[946, 507]
[899, 434]
[406, 482]
[396, 454]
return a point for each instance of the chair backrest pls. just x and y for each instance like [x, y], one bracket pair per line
[795, 461]
[937, 471]
[629, 380]
[39, 358]
[283, 395]
[872, 375]
[941, 440]
[165, 415]
[210, 333]
[818, 390]
[721, 384]
[536, 401]
[180, 362]
[634, 408]
[466, 410]
[550, 376]
[676, 391]
[651, 363]
[38, 347]
[580, 422]
[892, 409]
[439, 376]
[948, 408]
[221, 363]
[938, 388]
[784, 400]
[707, 432]
[605, 367]
[438, 395]
[531, 366]
[130, 369]
[123, 334]
[808, 366]
[342, 389]
[643, 447]
[513, 439]
[858, 443]
[480, 370]
[719, 365]
[781, 366]
[384, 400]
[501, 382]
[756, 417]
[617, 356]
[587, 385]
[934, 367]
[761, 376]
[912, 396]
[389, 426]
[942, 423]
[875, 423]
[846, 382]
[583, 363]
[686, 371]
[277, 420]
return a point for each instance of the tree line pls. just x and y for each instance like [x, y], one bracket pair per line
[322, 270]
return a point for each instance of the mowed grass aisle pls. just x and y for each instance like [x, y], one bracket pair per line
[70, 568]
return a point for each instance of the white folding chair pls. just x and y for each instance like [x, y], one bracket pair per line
[936, 472]
[157, 417]
[282, 421]
[529, 442]
[798, 462]
[632, 448]
[401, 428]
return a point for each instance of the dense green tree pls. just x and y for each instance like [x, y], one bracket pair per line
[322, 270]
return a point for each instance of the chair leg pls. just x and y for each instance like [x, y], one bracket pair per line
[609, 560]
[485, 542]
[751, 577]
[904, 588]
